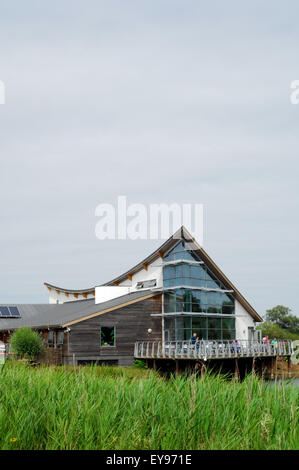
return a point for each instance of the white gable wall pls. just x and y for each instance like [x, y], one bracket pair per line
[243, 321]
[154, 271]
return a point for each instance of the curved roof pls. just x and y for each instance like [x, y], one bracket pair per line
[181, 233]
[89, 290]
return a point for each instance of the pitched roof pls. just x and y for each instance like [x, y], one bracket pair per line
[62, 315]
[181, 233]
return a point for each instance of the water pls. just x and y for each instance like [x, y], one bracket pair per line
[292, 381]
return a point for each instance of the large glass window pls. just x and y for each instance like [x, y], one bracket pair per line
[207, 328]
[181, 278]
[180, 252]
[184, 274]
[188, 300]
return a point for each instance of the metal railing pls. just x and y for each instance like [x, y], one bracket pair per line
[206, 349]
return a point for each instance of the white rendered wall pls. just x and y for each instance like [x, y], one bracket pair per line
[61, 298]
[154, 271]
[243, 321]
[104, 293]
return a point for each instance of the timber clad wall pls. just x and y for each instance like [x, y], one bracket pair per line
[52, 356]
[131, 324]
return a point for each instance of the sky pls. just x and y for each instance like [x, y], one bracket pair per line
[163, 101]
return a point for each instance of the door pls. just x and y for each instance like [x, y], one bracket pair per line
[250, 333]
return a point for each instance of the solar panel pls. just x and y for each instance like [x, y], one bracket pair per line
[4, 312]
[9, 312]
[14, 311]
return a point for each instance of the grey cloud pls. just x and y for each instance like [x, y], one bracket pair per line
[163, 101]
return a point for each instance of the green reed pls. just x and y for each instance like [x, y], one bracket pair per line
[127, 408]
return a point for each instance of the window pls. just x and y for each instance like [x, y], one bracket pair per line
[144, 284]
[189, 300]
[180, 328]
[51, 338]
[107, 336]
[190, 275]
[186, 273]
[60, 337]
[180, 252]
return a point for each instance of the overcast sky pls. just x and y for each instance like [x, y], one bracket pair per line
[162, 101]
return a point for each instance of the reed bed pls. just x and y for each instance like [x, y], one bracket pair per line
[125, 408]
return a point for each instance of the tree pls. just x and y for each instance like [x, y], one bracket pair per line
[272, 330]
[282, 317]
[26, 343]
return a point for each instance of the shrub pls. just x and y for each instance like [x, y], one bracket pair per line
[139, 364]
[27, 343]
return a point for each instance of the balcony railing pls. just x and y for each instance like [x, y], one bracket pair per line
[205, 349]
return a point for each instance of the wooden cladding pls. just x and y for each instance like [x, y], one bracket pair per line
[102, 312]
[131, 323]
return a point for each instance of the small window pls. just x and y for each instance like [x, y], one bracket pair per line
[51, 338]
[60, 337]
[107, 336]
[144, 284]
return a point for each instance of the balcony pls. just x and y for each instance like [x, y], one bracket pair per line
[204, 349]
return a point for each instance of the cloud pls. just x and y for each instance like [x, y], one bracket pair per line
[163, 101]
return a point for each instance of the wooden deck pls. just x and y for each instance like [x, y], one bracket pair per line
[205, 350]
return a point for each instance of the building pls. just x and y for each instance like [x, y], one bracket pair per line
[175, 292]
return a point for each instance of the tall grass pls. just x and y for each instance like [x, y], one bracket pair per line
[116, 408]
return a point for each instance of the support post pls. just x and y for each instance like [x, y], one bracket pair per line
[289, 365]
[263, 367]
[272, 367]
[146, 363]
[237, 372]
[197, 367]
[253, 365]
[155, 364]
[177, 367]
[203, 370]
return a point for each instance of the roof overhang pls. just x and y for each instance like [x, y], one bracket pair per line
[89, 291]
